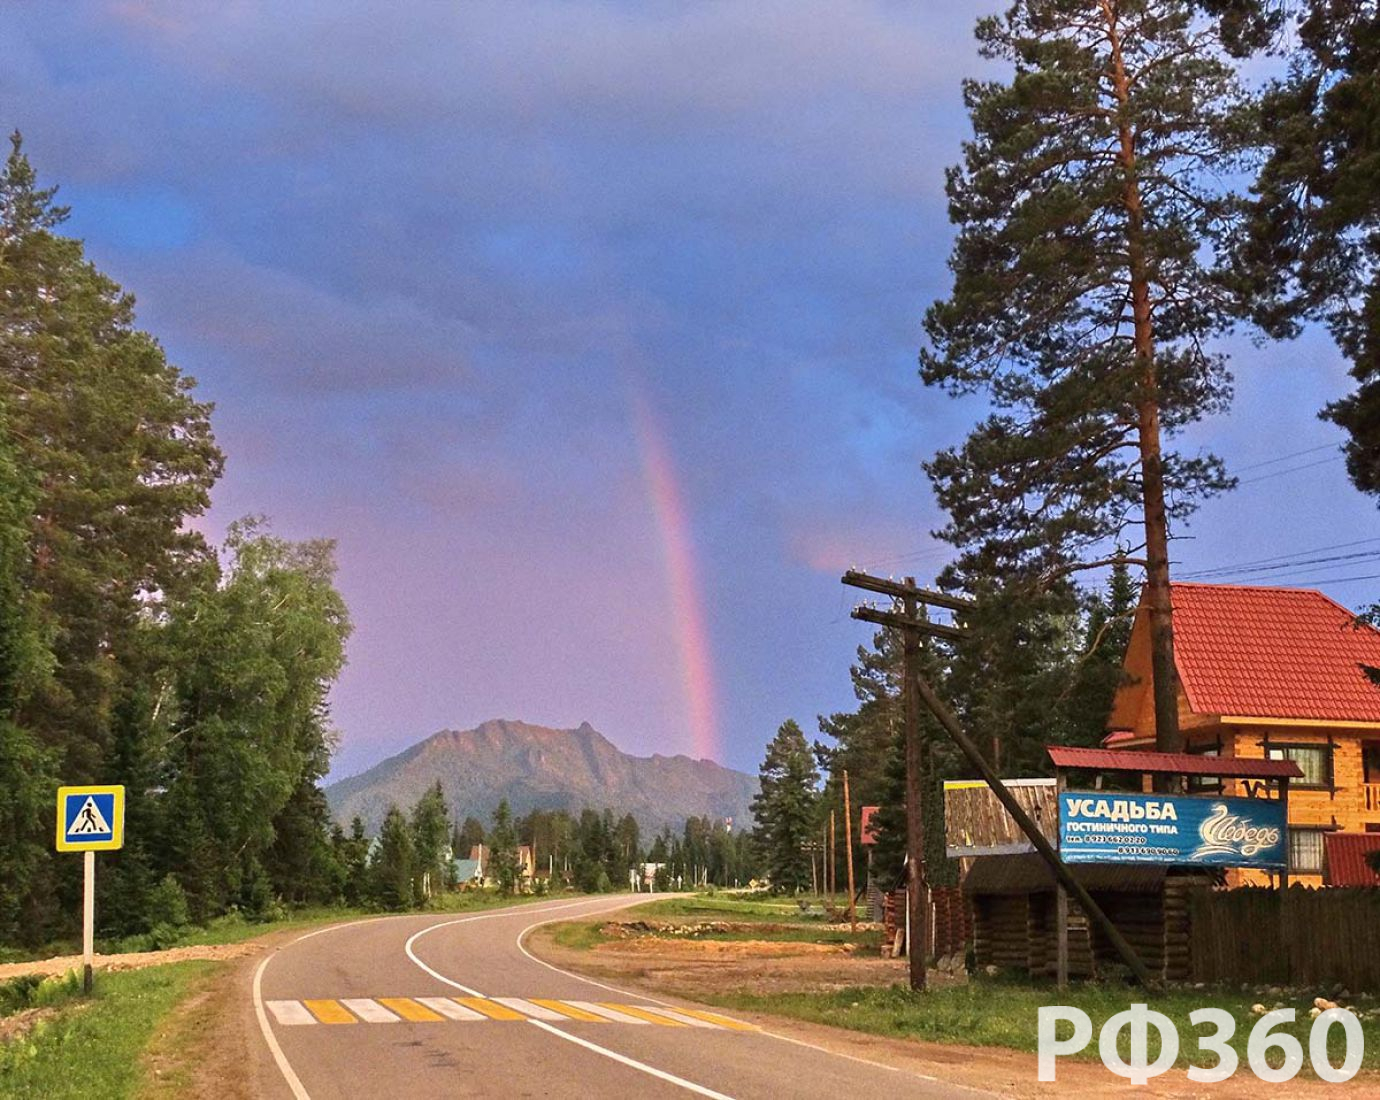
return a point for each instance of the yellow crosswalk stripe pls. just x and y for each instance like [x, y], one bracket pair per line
[489, 1008]
[642, 1014]
[715, 1018]
[330, 1012]
[569, 1010]
[409, 1009]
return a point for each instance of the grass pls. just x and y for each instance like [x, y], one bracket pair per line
[1005, 1014]
[784, 921]
[93, 1048]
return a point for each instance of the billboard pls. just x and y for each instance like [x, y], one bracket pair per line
[1121, 827]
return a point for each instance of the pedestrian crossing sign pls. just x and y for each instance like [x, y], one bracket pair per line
[90, 819]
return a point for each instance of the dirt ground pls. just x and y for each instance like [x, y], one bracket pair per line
[661, 966]
[61, 964]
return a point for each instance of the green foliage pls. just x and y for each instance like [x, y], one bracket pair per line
[431, 843]
[785, 808]
[503, 850]
[392, 869]
[1313, 251]
[1077, 194]
[167, 904]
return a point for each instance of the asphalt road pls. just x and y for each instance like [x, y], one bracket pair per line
[421, 1006]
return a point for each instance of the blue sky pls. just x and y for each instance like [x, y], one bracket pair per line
[423, 255]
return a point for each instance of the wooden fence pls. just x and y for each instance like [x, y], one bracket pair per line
[1334, 936]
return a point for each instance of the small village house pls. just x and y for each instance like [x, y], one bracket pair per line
[1272, 673]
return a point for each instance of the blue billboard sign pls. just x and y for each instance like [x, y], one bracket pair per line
[1121, 827]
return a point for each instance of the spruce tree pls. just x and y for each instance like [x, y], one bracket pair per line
[430, 836]
[785, 808]
[1088, 284]
[392, 868]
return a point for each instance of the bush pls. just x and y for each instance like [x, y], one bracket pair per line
[167, 905]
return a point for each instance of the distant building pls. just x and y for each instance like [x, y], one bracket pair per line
[1270, 673]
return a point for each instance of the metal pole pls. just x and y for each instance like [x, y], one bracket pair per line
[88, 921]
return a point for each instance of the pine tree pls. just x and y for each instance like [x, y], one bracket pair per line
[468, 836]
[503, 850]
[785, 808]
[1314, 249]
[392, 870]
[1087, 283]
[430, 835]
[120, 454]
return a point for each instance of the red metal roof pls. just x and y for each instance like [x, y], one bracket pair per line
[1346, 858]
[1171, 763]
[1273, 653]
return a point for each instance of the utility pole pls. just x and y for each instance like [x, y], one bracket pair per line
[913, 628]
[833, 855]
[848, 853]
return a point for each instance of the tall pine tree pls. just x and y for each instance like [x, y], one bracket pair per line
[1087, 288]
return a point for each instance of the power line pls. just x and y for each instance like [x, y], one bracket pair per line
[1291, 470]
[1285, 458]
[1282, 558]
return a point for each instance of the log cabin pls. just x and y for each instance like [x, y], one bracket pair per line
[1270, 673]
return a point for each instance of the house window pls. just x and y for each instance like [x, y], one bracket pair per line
[1306, 851]
[1370, 756]
[1315, 761]
[1202, 784]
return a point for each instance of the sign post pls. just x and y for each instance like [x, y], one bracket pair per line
[90, 820]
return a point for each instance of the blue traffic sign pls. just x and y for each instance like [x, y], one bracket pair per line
[90, 819]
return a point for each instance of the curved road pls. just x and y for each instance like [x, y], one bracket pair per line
[455, 1006]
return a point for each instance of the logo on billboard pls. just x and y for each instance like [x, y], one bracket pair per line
[1223, 833]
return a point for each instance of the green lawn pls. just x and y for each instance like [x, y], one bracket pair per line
[718, 907]
[1005, 1013]
[92, 1048]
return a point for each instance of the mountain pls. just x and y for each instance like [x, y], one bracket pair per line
[534, 767]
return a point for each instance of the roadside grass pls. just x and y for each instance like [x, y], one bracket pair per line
[1002, 1013]
[93, 1048]
[235, 927]
[780, 921]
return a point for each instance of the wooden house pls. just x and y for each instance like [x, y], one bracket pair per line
[1270, 673]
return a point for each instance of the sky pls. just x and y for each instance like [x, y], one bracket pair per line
[589, 331]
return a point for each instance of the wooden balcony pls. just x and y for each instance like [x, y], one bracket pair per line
[1371, 797]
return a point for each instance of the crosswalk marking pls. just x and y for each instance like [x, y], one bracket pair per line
[570, 1010]
[449, 1009]
[715, 1018]
[371, 1012]
[680, 1017]
[643, 1014]
[490, 1009]
[409, 1009]
[329, 1012]
[392, 1010]
[290, 1013]
[607, 1013]
[527, 1008]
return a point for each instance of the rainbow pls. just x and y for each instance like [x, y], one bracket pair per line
[687, 605]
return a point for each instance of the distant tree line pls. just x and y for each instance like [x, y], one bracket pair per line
[131, 651]
[414, 854]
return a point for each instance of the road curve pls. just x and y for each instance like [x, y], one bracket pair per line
[417, 1006]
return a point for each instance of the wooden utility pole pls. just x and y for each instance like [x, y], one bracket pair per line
[833, 855]
[913, 628]
[908, 621]
[848, 853]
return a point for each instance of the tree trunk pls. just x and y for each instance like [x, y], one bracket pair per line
[1164, 673]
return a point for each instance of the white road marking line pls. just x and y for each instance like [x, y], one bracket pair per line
[660, 1074]
[762, 1031]
[290, 1012]
[407, 947]
[527, 1008]
[608, 1013]
[672, 1014]
[371, 1012]
[448, 1008]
